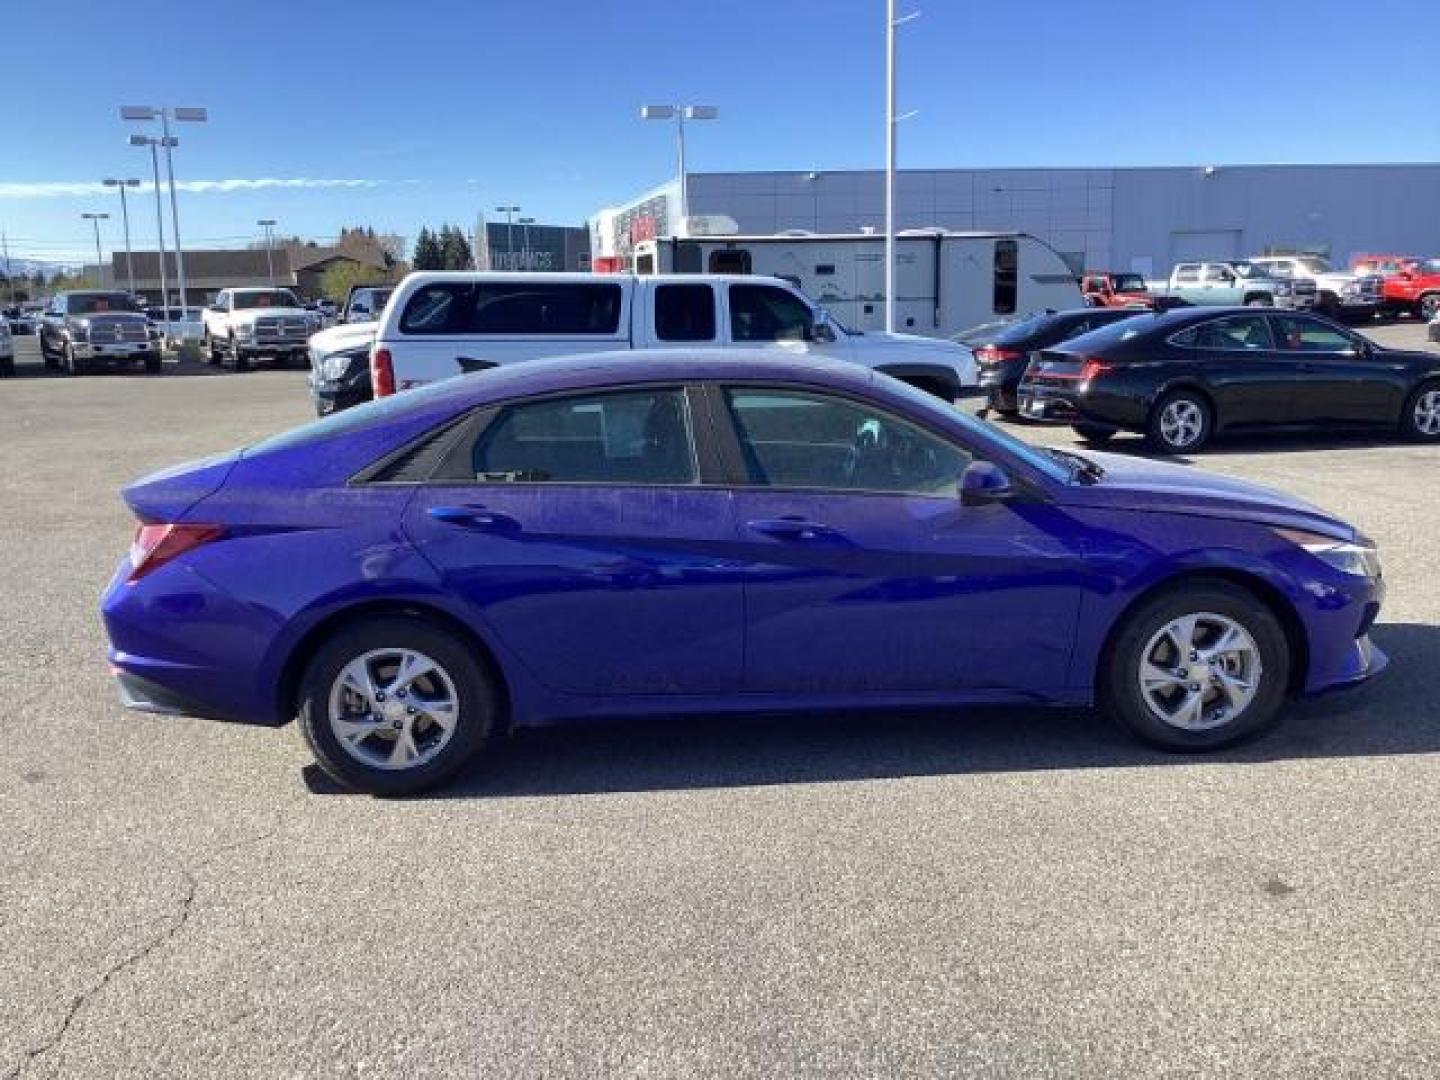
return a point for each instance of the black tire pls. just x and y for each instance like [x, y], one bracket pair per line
[1162, 412]
[213, 353]
[1121, 694]
[237, 355]
[1428, 306]
[476, 697]
[7, 368]
[1417, 421]
[73, 364]
[153, 364]
[1096, 434]
[47, 357]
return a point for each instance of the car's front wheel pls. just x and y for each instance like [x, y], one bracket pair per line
[1429, 306]
[1180, 422]
[1198, 667]
[393, 705]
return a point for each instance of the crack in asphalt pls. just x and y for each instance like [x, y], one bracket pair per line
[177, 924]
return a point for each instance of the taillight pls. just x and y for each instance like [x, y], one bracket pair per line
[993, 354]
[155, 545]
[382, 373]
[1092, 368]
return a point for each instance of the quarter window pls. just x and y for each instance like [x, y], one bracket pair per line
[513, 309]
[793, 439]
[685, 313]
[765, 313]
[1220, 274]
[1007, 276]
[622, 437]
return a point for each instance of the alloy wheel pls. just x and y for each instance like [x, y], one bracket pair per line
[1427, 412]
[393, 709]
[1181, 422]
[1199, 671]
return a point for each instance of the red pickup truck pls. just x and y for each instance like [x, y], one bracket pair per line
[1412, 285]
[1104, 289]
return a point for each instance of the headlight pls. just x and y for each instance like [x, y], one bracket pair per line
[1358, 557]
[1284, 288]
[80, 329]
[338, 366]
[245, 330]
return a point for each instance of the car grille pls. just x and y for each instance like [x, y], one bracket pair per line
[1304, 287]
[108, 331]
[1371, 287]
[281, 328]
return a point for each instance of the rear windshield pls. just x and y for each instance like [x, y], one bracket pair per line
[1123, 329]
[1026, 328]
[361, 416]
[1129, 283]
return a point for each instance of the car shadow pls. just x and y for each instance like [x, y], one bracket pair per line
[173, 368]
[1393, 715]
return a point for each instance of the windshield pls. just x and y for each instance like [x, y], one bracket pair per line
[1129, 283]
[1315, 265]
[265, 298]
[97, 303]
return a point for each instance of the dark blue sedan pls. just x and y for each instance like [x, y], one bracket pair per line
[705, 532]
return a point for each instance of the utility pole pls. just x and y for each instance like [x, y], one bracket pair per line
[891, 22]
[9, 277]
[509, 212]
[268, 224]
[95, 220]
[111, 181]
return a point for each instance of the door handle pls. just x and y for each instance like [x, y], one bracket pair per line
[473, 517]
[790, 528]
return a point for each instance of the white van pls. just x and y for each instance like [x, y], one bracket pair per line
[443, 324]
[945, 282]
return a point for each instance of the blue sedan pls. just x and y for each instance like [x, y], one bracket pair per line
[678, 532]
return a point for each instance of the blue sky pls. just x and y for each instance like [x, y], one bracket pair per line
[326, 113]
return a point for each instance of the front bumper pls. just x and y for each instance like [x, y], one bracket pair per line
[114, 350]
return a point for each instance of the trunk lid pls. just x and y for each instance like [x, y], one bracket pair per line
[168, 495]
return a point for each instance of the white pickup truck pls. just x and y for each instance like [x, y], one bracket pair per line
[443, 324]
[244, 324]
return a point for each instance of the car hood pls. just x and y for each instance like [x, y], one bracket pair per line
[1132, 483]
[343, 337]
[251, 314]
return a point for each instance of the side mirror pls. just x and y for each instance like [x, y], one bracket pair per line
[822, 333]
[984, 482]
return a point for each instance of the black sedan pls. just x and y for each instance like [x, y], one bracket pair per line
[1001, 356]
[1184, 375]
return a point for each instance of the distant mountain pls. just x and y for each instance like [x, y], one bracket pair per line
[29, 267]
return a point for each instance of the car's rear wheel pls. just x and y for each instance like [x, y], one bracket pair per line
[1198, 667]
[1421, 418]
[1180, 422]
[1094, 433]
[393, 705]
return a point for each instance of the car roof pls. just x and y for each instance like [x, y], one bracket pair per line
[621, 367]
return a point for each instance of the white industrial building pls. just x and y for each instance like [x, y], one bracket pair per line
[1141, 219]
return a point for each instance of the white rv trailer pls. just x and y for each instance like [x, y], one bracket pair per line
[946, 282]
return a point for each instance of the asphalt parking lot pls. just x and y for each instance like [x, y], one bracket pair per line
[1017, 894]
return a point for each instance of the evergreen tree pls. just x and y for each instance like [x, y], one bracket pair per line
[455, 249]
[428, 255]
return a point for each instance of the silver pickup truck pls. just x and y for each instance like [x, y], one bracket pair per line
[1233, 283]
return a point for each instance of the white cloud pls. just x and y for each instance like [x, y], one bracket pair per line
[68, 189]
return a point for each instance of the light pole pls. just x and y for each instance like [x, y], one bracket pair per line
[525, 223]
[152, 143]
[95, 220]
[165, 115]
[891, 22]
[268, 224]
[680, 113]
[111, 181]
[509, 212]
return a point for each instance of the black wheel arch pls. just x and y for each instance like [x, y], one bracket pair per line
[1189, 384]
[1264, 591]
[287, 699]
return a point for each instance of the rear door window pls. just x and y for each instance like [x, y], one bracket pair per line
[684, 313]
[1240, 333]
[633, 437]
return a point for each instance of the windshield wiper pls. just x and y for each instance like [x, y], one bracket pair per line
[1085, 470]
